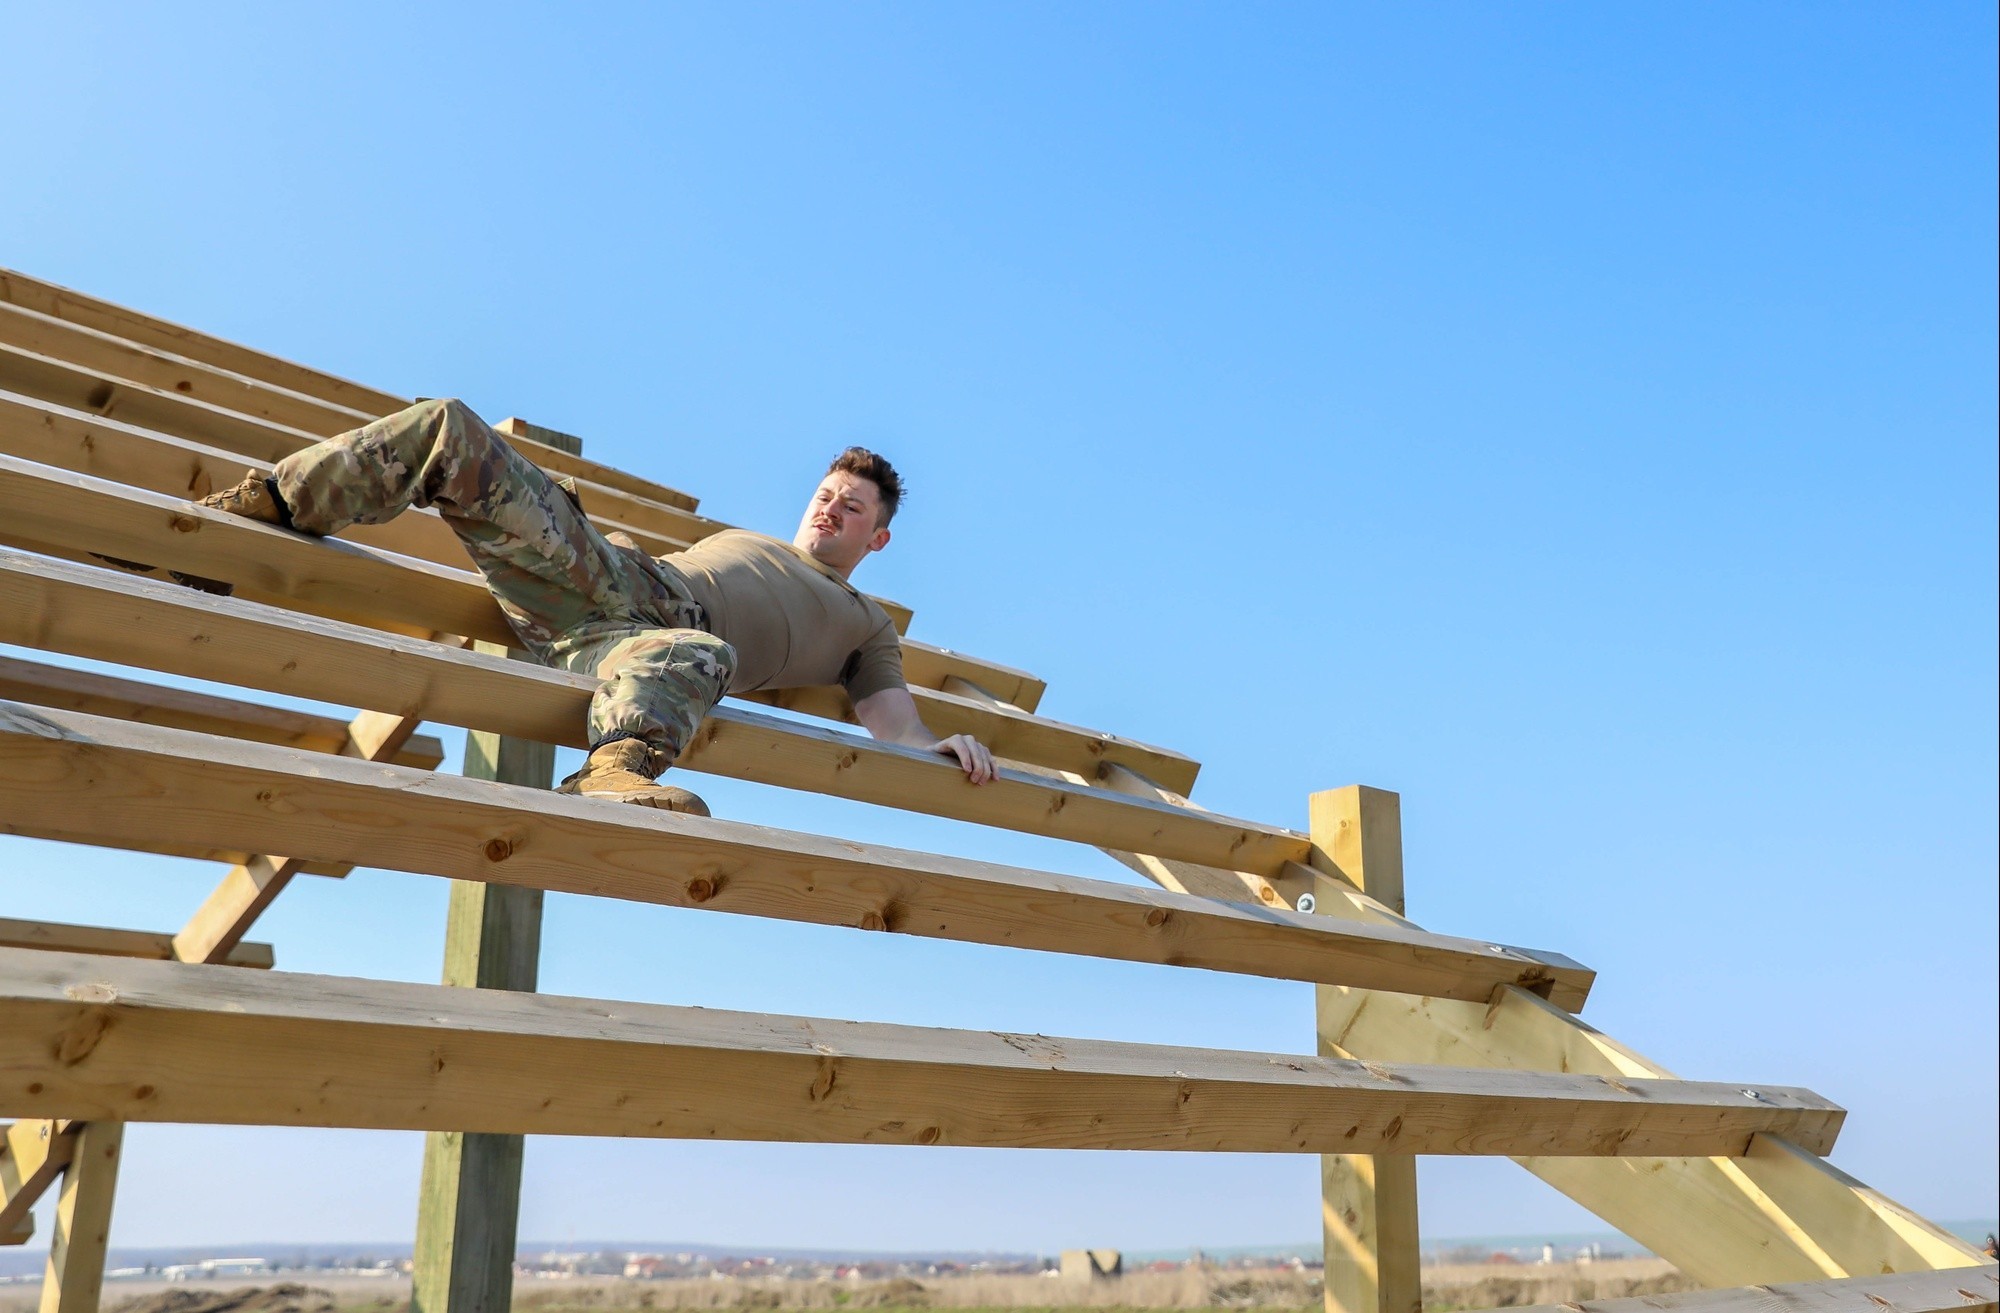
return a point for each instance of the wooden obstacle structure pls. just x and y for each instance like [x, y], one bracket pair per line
[111, 422]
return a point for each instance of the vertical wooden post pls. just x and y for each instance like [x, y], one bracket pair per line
[1368, 1204]
[74, 1279]
[469, 1204]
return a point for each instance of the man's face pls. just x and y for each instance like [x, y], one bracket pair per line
[839, 526]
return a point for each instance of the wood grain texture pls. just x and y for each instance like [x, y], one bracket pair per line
[60, 937]
[111, 449]
[64, 775]
[73, 1277]
[189, 355]
[1778, 1213]
[93, 613]
[92, 513]
[1368, 1205]
[166, 1041]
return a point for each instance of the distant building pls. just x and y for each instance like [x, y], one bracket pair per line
[1092, 1264]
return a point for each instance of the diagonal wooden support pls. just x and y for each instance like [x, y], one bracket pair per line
[73, 1280]
[33, 1154]
[222, 920]
[1778, 1213]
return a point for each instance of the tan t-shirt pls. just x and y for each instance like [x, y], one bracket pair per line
[793, 622]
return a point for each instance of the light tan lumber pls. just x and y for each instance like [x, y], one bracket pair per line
[1009, 731]
[1368, 1205]
[163, 1041]
[114, 778]
[89, 312]
[103, 354]
[205, 713]
[110, 449]
[58, 937]
[199, 351]
[1965, 1290]
[97, 614]
[1775, 1214]
[101, 375]
[33, 1154]
[73, 1279]
[468, 1202]
[86, 516]
[217, 927]
[90, 441]
[78, 387]
[45, 509]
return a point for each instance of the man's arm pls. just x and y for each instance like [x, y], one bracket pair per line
[891, 716]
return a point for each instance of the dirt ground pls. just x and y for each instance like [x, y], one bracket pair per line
[1446, 1288]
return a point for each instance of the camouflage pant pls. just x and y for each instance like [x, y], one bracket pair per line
[576, 600]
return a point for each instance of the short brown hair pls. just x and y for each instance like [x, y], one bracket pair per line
[865, 464]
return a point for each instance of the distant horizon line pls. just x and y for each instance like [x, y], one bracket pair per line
[1965, 1228]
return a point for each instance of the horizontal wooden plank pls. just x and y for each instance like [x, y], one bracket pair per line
[129, 435]
[102, 941]
[159, 1041]
[79, 387]
[1956, 1290]
[96, 614]
[204, 713]
[83, 779]
[70, 309]
[74, 307]
[75, 514]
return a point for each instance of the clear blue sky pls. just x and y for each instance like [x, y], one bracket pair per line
[1579, 418]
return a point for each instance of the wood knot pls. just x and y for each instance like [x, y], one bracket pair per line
[823, 1083]
[1157, 917]
[929, 1135]
[82, 1036]
[183, 386]
[700, 889]
[498, 850]
[183, 524]
[873, 921]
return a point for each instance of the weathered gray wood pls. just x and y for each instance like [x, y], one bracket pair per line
[64, 775]
[164, 1041]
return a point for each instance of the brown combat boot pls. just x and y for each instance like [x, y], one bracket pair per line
[619, 772]
[252, 499]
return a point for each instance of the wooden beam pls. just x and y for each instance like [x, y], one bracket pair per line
[1368, 1205]
[58, 937]
[468, 1208]
[68, 776]
[186, 355]
[73, 1279]
[33, 1154]
[77, 387]
[89, 312]
[94, 1035]
[94, 514]
[204, 713]
[92, 613]
[1962, 1290]
[1777, 1213]
[217, 927]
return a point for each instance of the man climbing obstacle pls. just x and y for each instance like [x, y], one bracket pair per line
[668, 635]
